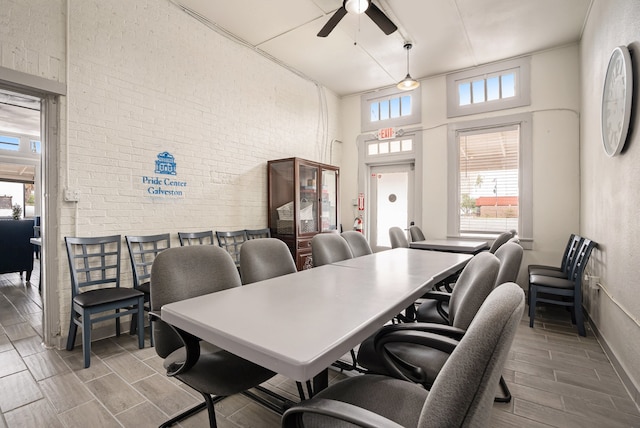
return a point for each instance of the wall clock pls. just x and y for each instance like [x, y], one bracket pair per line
[616, 101]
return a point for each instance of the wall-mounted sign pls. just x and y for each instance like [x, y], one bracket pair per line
[164, 186]
[386, 133]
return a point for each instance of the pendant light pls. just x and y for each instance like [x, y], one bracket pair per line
[408, 83]
[356, 6]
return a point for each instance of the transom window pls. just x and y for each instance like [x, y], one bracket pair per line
[390, 108]
[489, 88]
[375, 148]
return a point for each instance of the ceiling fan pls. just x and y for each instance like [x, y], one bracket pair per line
[358, 7]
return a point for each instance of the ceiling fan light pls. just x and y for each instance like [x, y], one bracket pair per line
[408, 83]
[356, 6]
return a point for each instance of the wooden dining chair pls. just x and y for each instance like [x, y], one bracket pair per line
[232, 242]
[196, 238]
[258, 233]
[96, 295]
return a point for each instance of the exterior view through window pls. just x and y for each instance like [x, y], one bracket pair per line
[488, 179]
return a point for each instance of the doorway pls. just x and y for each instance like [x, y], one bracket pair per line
[392, 204]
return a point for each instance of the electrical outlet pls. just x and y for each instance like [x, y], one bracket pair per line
[71, 195]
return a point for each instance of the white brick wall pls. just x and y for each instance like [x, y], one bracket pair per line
[145, 78]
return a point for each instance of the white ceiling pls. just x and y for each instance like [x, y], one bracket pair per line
[357, 56]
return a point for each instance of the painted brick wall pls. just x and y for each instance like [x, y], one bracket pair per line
[145, 78]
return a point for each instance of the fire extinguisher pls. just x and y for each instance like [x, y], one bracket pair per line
[357, 224]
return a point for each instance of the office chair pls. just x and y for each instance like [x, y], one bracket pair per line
[416, 233]
[398, 238]
[500, 240]
[179, 274]
[461, 396]
[357, 243]
[329, 248]
[96, 295]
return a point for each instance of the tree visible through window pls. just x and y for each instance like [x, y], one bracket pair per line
[488, 189]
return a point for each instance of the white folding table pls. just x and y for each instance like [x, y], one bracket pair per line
[298, 324]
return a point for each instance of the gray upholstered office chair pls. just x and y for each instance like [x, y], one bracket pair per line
[476, 282]
[96, 294]
[565, 292]
[186, 272]
[357, 243]
[329, 248]
[500, 240]
[196, 238]
[142, 252]
[461, 396]
[258, 233]
[265, 258]
[416, 234]
[436, 310]
[398, 238]
[232, 242]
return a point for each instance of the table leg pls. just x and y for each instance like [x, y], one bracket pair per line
[320, 381]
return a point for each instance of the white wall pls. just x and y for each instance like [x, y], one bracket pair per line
[609, 186]
[555, 108]
[145, 78]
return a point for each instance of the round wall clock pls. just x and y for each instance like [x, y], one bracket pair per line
[616, 101]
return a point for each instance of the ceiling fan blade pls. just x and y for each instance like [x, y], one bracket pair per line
[380, 19]
[332, 22]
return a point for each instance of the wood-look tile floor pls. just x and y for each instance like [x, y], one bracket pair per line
[557, 379]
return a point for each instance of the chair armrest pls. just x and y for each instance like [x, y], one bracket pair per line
[440, 296]
[439, 329]
[292, 418]
[191, 346]
[401, 369]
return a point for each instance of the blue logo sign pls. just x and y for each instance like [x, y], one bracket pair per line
[165, 164]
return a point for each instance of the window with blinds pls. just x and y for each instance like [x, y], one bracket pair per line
[488, 183]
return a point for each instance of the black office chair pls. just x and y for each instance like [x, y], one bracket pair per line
[476, 281]
[179, 274]
[329, 248]
[232, 242]
[142, 252]
[258, 233]
[461, 395]
[357, 243]
[565, 292]
[196, 238]
[96, 294]
[398, 238]
[416, 234]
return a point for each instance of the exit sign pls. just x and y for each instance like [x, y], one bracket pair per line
[386, 133]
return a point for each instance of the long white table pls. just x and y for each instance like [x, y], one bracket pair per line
[298, 324]
[450, 245]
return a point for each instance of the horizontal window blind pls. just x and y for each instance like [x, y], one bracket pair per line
[489, 179]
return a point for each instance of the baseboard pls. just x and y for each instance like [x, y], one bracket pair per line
[633, 390]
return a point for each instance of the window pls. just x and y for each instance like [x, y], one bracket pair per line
[9, 143]
[488, 88]
[375, 148]
[390, 108]
[490, 178]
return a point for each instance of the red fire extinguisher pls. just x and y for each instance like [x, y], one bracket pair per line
[357, 224]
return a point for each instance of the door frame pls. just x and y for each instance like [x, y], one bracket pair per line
[365, 164]
[50, 93]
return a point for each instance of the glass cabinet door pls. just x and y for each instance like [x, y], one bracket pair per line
[308, 204]
[329, 217]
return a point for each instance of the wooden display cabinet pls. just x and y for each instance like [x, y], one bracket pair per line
[302, 201]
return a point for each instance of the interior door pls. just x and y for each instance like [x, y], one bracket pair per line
[391, 187]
